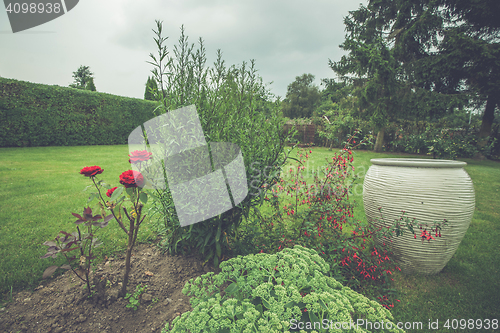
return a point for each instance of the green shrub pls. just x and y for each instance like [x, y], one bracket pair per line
[276, 293]
[448, 144]
[453, 136]
[233, 106]
[41, 115]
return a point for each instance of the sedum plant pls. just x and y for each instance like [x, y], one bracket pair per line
[283, 292]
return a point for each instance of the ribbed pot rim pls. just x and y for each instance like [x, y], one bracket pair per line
[418, 162]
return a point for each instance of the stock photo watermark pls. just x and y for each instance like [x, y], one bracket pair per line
[205, 179]
[25, 15]
[309, 171]
[362, 324]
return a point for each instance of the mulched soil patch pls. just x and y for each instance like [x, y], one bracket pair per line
[62, 304]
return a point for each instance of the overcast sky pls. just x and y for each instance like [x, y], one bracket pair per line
[287, 38]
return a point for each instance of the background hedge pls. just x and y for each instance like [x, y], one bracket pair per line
[41, 115]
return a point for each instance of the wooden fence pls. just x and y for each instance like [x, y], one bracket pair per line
[305, 133]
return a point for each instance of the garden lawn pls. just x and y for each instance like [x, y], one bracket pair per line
[39, 189]
[468, 287]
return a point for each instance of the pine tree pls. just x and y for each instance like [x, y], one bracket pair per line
[151, 89]
[90, 85]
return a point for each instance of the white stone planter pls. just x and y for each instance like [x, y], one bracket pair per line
[428, 190]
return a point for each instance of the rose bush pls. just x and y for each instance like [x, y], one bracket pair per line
[132, 182]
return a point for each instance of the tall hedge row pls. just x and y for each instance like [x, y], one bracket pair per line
[41, 115]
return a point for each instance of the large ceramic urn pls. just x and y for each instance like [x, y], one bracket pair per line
[428, 190]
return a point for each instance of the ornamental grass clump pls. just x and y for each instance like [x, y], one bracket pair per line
[282, 292]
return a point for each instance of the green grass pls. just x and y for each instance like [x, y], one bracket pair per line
[39, 189]
[468, 287]
[41, 186]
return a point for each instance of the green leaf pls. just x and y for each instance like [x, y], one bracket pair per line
[130, 191]
[216, 261]
[217, 248]
[266, 303]
[92, 197]
[116, 193]
[217, 235]
[206, 239]
[313, 317]
[143, 196]
[154, 196]
[232, 288]
[323, 304]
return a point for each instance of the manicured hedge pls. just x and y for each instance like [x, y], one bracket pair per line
[41, 115]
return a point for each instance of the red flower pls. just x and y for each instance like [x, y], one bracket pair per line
[139, 156]
[110, 191]
[91, 171]
[131, 178]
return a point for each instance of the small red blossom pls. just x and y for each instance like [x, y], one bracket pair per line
[131, 178]
[91, 171]
[110, 191]
[139, 156]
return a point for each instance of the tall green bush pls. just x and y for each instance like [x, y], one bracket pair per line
[42, 115]
[233, 106]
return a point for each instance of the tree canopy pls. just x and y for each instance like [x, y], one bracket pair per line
[422, 59]
[446, 46]
[372, 70]
[82, 77]
[302, 97]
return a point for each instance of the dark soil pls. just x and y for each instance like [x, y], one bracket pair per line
[62, 304]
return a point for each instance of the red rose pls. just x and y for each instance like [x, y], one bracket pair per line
[91, 171]
[139, 156]
[110, 191]
[131, 178]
